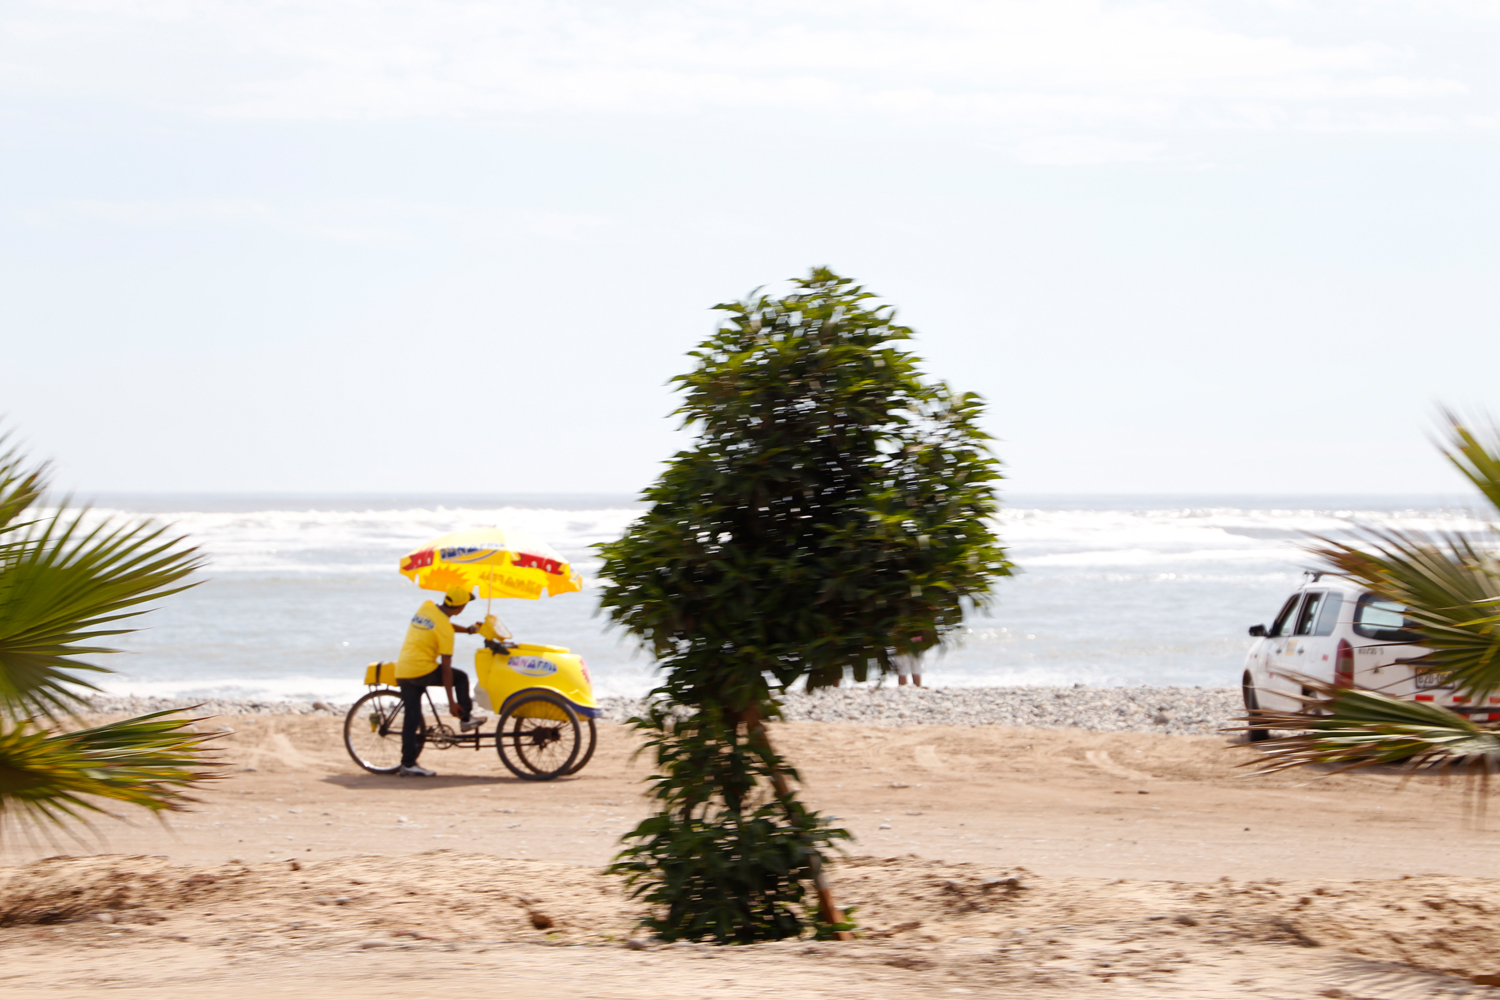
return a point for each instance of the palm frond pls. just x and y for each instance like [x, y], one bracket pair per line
[68, 581]
[65, 585]
[20, 487]
[1352, 729]
[1447, 583]
[1477, 460]
[148, 761]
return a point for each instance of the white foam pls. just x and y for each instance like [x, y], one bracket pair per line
[323, 541]
[300, 600]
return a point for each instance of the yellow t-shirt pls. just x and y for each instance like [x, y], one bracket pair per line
[429, 636]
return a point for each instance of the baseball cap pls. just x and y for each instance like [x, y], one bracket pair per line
[457, 595]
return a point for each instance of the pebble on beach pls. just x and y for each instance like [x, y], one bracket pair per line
[1175, 710]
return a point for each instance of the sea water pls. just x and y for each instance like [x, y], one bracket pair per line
[300, 592]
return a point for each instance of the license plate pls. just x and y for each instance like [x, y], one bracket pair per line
[1433, 680]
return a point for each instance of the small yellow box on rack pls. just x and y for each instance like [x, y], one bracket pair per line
[380, 673]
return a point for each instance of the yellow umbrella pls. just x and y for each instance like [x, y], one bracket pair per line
[499, 562]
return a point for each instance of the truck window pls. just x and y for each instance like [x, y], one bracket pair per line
[1328, 614]
[1279, 627]
[1308, 616]
[1377, 618]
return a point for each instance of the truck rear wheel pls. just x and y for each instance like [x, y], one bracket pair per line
[1252, 709]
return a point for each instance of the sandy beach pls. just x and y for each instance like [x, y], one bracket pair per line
[987, 860]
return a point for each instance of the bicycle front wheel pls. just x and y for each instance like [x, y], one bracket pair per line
[372, 731]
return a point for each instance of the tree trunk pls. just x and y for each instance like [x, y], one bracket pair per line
[755, 728]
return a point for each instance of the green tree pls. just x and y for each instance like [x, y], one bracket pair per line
[1450, 586]
[68, 581]
[834, 511]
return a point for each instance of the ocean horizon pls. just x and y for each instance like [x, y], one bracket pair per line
[301, 590]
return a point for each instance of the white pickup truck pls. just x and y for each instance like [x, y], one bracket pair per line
[1336, 631]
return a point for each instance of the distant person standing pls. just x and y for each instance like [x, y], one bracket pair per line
[426, 660]
[909, 665]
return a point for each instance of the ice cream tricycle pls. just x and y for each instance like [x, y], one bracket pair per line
[542, 695]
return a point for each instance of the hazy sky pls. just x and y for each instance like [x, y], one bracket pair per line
[323, 245]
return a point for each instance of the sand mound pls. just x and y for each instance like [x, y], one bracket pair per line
[437, 895]
[1123, 837]
[966, 922]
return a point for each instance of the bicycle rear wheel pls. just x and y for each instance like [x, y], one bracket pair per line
[539, 737]
[372, 731]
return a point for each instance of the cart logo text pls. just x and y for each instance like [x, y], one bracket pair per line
[467, 553]
[532, 666]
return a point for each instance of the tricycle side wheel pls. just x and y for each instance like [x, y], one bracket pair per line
[538, 737]
[372, 731]
[592, 732]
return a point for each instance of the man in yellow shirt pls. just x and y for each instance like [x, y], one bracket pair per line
[427, 659]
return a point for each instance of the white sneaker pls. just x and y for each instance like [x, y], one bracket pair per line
[415, 772]
[475, 721]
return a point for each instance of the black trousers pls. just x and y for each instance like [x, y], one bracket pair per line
[411, 712]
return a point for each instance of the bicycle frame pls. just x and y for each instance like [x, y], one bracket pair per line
[446, 736]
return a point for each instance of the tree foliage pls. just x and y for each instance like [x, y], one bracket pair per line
[67, 581]
[833, 512]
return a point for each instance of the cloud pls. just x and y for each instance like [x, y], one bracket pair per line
[563, 225]
[1064, 66]
[149, 213]
[323, 222]
[367, 223]
[1083, 150]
